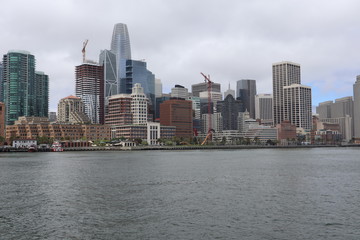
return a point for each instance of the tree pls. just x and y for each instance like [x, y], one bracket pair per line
[223, 140]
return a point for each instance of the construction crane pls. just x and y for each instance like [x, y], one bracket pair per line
[209, 90]
[83, 49]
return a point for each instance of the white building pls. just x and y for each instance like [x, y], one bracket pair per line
[179, 92]
[264, 108]
[158, 88]
[139, 105]
[297, 106]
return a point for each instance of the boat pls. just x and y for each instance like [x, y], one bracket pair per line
[32, 148]
[56, 147]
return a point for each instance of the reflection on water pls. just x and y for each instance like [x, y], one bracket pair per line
[219, 194]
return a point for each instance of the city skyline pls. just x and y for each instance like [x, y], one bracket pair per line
[179, 40]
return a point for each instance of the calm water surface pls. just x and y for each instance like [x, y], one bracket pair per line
[216, 194]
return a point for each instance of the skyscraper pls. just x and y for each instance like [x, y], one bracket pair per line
[203, 87]
[25, 93]
[297, 106]
[41, 94]
[120, 46]
[229, 109]
[179, 92]
[139, 104]
[72, 110]
[264, 108]
[245, 92]
[357, 108]
[90, 88]
[108, 60]
[284, 74]
[1, 82]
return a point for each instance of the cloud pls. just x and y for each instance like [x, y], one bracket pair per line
[229, 40]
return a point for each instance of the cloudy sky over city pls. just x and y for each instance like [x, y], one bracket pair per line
[229, 40]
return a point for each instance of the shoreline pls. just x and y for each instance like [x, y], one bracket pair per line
[182, 147]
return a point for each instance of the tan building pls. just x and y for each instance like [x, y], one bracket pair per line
[119, 110]
[72, 110]
[58, 131]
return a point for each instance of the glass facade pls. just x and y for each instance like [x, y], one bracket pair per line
[108, 60]
[21, 88]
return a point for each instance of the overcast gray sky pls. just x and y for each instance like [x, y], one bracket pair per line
[228, 39]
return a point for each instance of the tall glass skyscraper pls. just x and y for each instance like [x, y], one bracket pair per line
[41, 94]
[108, 60]
[120, 46]
[246, 91]
[20, 86]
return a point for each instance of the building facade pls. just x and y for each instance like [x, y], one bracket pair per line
[229, 109]
[89, 86]
[284, 74]
[264, 108]
[19, 85]
[2, 119]
[297, 106]
[356, 88]
[179, 92]
[245, 92]
[139, 105]
[178, 113]
[41, 94]
[119, 110]
[203, 87]
[71, 109]
[107, 59]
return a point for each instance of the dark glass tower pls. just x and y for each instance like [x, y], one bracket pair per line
[245, 92]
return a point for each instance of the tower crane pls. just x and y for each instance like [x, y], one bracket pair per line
[209, 90]
[83, 49]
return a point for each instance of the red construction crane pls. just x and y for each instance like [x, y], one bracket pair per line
[83, 49]
[209, 88]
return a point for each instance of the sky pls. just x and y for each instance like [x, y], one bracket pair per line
[228, 40]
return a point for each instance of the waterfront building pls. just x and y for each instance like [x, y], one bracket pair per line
[71, 109]
[107, 59]
[242, 117]
[261, 134]
[90, 88]
[286, 132]
[28, 130]
[284, 74]
[2, 119]
[119, 110]
[245, 92]
[297, 106]
[264, 108]
[179, 92]
[178, 113]
[356, 119]
[345, 126]
[159, 101]
[150, 132]
[203, 87]
[139, 105]
[21, 85]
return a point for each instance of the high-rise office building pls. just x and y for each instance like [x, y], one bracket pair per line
[108, 60]
[137, 72]
[297, 106]
[245, 92]
[179, 92]
[229, 109]
[90, 88]
[41, 94]
[71, 109]
[284, 74]
[357, 108]
[203, 87]
[25, 93]
[264, 108]
[120, 46]
[2, 120]
[324, 109]
[119, 110]
[177, 112]
[139, 105]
